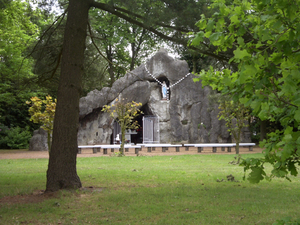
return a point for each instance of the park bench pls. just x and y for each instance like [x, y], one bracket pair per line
[215, 146]
[80, 147]
[219, 145]
[250, 145]
[97, 148]
[165, 147]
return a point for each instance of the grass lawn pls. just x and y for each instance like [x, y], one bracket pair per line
[146, 190]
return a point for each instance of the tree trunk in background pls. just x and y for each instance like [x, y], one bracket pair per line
[111, 66]
[263, 130]
[62, 172]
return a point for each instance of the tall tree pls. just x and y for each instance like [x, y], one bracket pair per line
[62, 162]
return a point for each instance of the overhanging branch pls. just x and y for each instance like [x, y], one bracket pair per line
[182, 41]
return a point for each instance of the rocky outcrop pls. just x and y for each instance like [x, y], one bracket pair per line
[38, 142]
[186, 117]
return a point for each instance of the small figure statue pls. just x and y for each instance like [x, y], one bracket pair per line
[118, 139]
[164, 91]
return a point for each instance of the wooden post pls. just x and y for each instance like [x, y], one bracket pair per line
[200, 149]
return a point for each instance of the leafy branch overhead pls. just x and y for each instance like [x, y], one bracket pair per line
[264, 38]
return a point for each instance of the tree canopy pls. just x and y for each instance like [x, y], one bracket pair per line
[263, 40]
[17, 33]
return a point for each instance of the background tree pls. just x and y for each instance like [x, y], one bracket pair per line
[18, 32]
[264, 39]
[124, 44]
[236, 116]
[42, 112]
[124, 113]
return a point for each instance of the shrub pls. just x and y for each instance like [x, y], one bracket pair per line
[3, 134]
[16, 138]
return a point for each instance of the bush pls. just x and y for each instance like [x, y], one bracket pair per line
[15, 138]
[3, 134]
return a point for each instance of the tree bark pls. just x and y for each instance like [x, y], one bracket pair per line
[111, 66]
[123, 130]
[263, 129]
[62, 173]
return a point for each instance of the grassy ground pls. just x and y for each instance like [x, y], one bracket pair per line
[146, 190]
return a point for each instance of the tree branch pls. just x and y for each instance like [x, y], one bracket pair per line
[182, 41]
[91, 36]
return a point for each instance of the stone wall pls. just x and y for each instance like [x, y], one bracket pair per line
[39, 142]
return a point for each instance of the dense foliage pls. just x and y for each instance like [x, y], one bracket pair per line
[264, 40]
[17, 34]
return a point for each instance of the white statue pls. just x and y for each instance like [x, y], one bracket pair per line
[118, 138]
[164, 91]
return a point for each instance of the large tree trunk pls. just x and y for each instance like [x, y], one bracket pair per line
[62, 172]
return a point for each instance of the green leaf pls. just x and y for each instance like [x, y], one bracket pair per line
[234, 19]
[210, 25]
[256, 175]
[295, 74]
[199, 38]
[240, 54]
[215, 37]
[244, 100]
[292, 168]
[248, 71]
[297, 115]
[240, 41]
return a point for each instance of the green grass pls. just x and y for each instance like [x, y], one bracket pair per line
[149, 190]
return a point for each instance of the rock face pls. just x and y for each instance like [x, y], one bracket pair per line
[38, 142]
[180, 118]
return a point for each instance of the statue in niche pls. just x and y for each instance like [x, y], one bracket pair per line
[164, 91]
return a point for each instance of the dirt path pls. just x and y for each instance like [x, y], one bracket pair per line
[25, 154]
